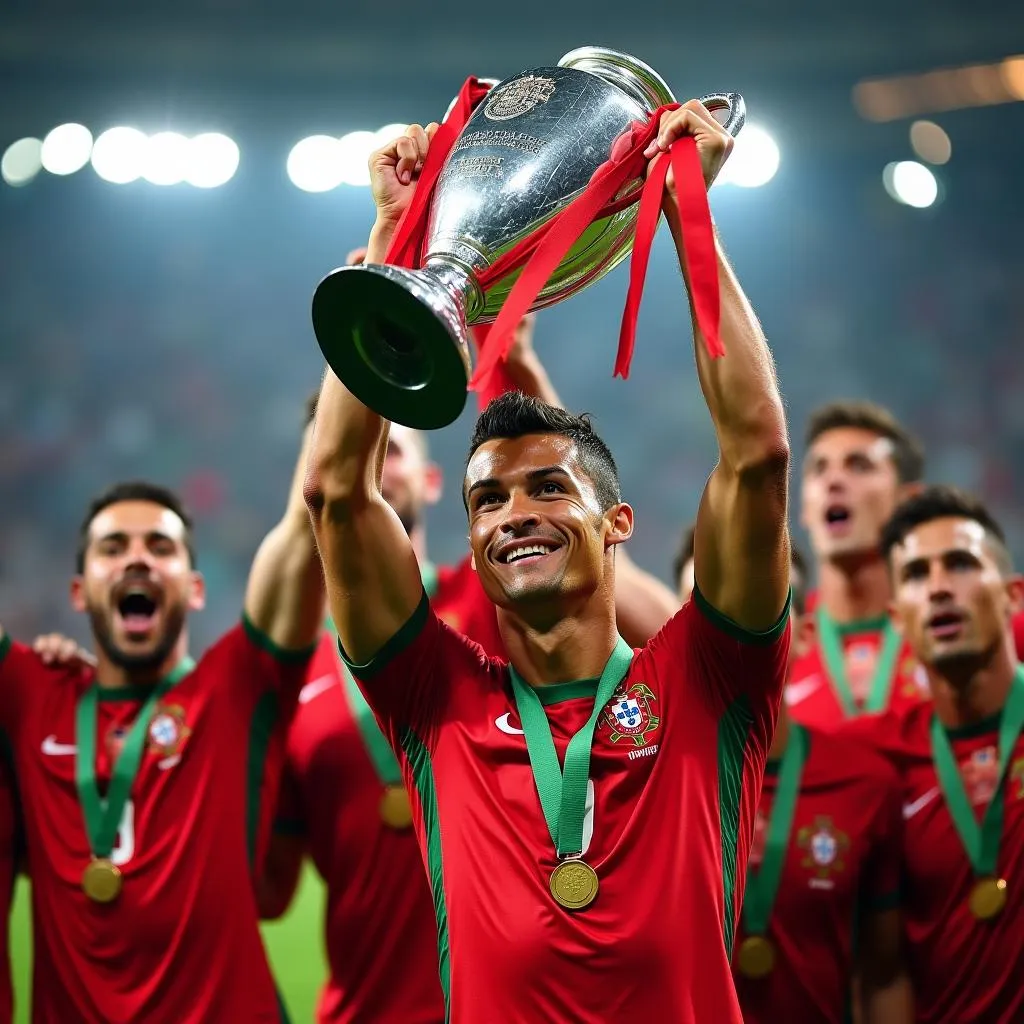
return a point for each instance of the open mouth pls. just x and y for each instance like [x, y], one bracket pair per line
[946, 625]
[837, 515]
[137, 609]
[521, 553]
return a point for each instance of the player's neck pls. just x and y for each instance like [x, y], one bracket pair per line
[563, 649]
[418, 539]
[110, 676]
[967, 693]
[853, 592]
[781, 738]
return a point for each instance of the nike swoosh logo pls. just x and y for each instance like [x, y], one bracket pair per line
[55, 749]
[503, 724]
[797, 692]
[909, 810]
[313, 690]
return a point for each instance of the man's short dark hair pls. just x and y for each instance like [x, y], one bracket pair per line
[942, 501]
[516, 415]
[797, 575]
[907, 451]
[133, 490]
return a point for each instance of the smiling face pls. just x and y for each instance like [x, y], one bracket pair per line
[953, 600]
[538, 533]
[137, 584]
[850, 489]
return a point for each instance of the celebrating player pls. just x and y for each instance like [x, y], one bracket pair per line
[342, 796]
[823, 869]
[142, 780]
[609, 890]
[961, 760]
[860, 464]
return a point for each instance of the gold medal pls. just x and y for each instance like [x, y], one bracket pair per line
[102, 880]
[756, 957]
[988, 898]
[395, 809]
[574, 884]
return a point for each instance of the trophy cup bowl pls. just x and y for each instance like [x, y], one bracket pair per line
[398, 338]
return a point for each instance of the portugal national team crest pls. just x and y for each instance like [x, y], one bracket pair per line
[629, 714]
[167, 730]
[824, 846]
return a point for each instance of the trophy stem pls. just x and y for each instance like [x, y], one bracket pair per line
[397, 339]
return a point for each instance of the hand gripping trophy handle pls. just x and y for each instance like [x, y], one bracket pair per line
[398, 338]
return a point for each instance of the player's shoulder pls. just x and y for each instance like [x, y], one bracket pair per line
[859, 756]
[896, 734]
[21, 662]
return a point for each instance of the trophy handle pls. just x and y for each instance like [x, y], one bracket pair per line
[731, 101]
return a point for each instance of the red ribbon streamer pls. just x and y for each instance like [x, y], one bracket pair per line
[540, 253]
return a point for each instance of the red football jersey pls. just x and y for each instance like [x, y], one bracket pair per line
[380, 932]
[962, 969]
[8, 839]
[181, 944]
[811, 695]
[669, 816]
[843, 856]
[1018, 634]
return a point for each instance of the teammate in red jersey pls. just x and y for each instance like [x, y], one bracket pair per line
[343, 801]
[824, 868]
[1018, 635]
[961, 760]
[143, 781]
[657, 812]
[861, 462]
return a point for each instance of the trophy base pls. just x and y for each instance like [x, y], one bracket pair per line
[397, 340]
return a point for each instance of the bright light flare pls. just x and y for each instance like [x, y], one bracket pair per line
[315, 164]
[21, 162]
[911, 183]
[66, 149]
[119, 155]
[753, 161]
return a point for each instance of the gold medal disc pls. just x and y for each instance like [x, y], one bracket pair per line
[988, 898]
[395, 809]
[574, 884]
[102, 880]
[756, 957]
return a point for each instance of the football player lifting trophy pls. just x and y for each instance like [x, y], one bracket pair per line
[510, 173]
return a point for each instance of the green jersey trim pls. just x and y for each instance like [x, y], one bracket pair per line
[555, 693]
[423, 778]
[261, 728]
[290, 656]
[5, 645]
[733, 735]
[398, 643]
[738, 632]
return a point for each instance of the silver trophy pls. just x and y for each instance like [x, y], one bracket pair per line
[398, 338]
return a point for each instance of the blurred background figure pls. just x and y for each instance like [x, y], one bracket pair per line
[175, 180]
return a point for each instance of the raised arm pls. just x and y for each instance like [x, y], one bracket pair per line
[741, 544]
[373, 578]
[284, 598]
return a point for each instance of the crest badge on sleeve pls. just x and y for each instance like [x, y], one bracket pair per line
[629, 714]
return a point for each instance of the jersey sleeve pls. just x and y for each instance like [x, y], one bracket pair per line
[409, 684]
[255, 667]
[20, 668]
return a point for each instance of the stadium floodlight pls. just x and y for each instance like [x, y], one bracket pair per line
[21, 162]
[753, 161]
[66, 149]
[354, 151]
[911, 183]
[315, 164]
[166, 160]
[211, 159]
[119, 155]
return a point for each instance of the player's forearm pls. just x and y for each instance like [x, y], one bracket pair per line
[741, 388]
[285, 594]
[643, 604]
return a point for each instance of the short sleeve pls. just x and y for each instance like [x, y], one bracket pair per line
[881, 882]
[722, 661]
[410, 681]
[257, 667]
[20, 669]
